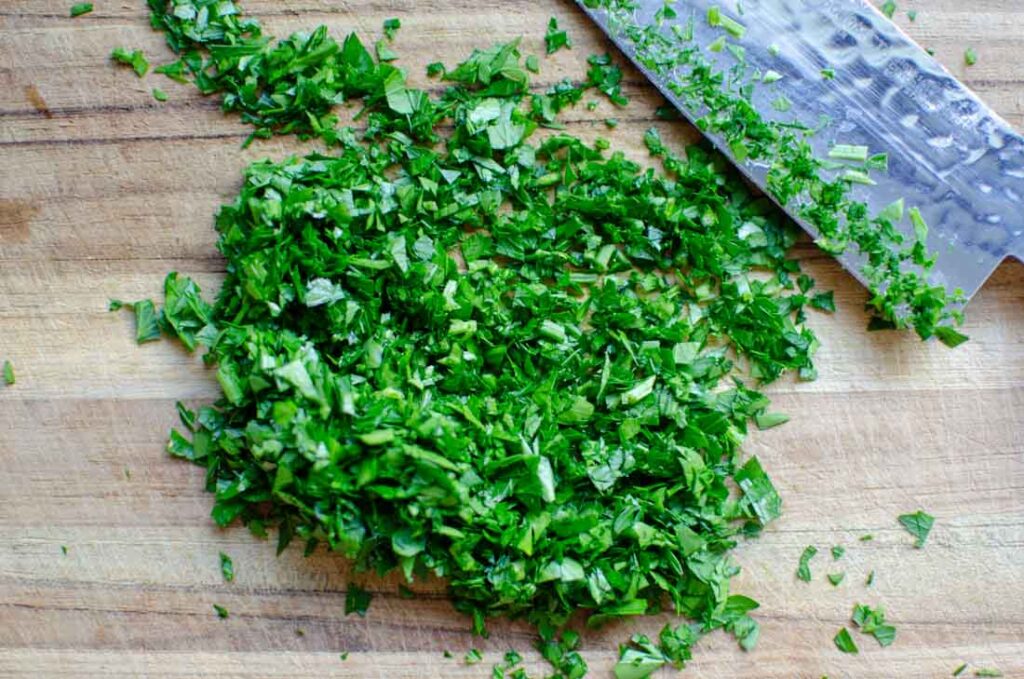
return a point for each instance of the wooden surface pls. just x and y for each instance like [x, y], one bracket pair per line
[103, 190]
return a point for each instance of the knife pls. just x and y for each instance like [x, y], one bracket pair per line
[948, 153]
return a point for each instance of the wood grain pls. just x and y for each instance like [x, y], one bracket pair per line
[103, 190]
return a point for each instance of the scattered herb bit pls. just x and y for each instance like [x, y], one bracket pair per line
[357, 600]
[782, 103]
[866, 537]
[128, 473]
[870, 579]
[824, 301]
[435, 69]
[774, 50]
[147, 321]
[987, 672]
[391, 27]
[803, 572]
[159, 94]
[844, 642]
[872, 621]
[9, 377]
[384, 51]
[838, 552]
[473, 657]
[912, 15]
[930, 51]
[227, 567]
[828, 73]
[299, 632]
[960, 670]
[769, 420]
[835, 578]
[555, 39]
[727, 23]
[222, 612]
[848, 152]
[136, 59]
[447, 654]
[64, 550]
[770, 77]
[970, 56]
[80, 8]
[532, 63]
[611, 123]
[918, 524]
[343, 656]
[889, 8]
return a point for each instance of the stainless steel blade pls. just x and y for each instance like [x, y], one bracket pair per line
[949, 154]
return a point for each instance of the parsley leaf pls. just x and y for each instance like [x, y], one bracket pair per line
[136, 59]
[919, 524]
[803, 572]
[8, 371]
[844, 642]
[357, 600]
[227, 567]
[80, 8]
[222, 612]
[872, 621]
[555, 39]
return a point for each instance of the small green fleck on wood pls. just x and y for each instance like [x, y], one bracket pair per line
[159, 94]
[222, 612]
[80, 8]
[9, 377]
[227, 567]
[136, 59]
[844, 642]
[803, 571]
[970, 56]
[919, 524]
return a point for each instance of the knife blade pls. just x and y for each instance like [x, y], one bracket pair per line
[948, 153]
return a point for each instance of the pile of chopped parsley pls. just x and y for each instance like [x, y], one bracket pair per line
[450, 345]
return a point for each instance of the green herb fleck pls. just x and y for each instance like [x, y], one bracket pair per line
[835, 578]
[357, 600]
[959, 670]
[872, 621]
[473, 657]
[838, 552]
[80, 8]
[555, 39]
[136, 59]
[343, 656]
[970, 56]
[532, 63]
[844, 642]
[227, 567]
[64, 550]
[9, 378]
[918, 524]
[159, 94]
[222, 612]
[391, 27]
[987, 672]
[912, 15]
[803, 572]
[768, 420]
[870, 579]
[889, 8]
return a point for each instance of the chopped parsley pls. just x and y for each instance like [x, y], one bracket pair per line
[960, 670]
[987, 672]
[872, 621]
[970, 56]
[135, 59]
[227, 567]
[889, 8]
[357, 600]
[835, 578]
[473, 656]
[555, 39]
[9, 378]
[844, 642]
[448, 346]
[919, 524]
[803, 572]
[838, 552]
[80, 8]
[391, 27]
[222, 612]
[159, 94]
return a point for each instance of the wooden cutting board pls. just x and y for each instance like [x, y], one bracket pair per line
[103, 190]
